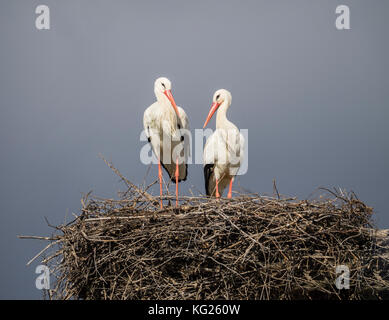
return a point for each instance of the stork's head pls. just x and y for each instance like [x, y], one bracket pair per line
[162, 90]
[221, 96]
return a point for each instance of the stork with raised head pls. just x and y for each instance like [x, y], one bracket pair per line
[223, 151]
[164, 124]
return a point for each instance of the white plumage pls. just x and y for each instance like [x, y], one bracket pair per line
[159, 126]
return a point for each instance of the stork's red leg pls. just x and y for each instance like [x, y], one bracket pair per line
[177, 175]
[160, 180]
[229, 196]
[217, 189]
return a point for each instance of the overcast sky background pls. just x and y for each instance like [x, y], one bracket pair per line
[314, 100]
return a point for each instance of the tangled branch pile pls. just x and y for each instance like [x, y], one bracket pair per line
[249, 247]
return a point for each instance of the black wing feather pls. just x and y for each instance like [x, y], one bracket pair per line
[172, 177]
[208, 170]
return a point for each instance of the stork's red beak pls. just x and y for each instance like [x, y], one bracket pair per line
[214, 107]
[169, 95]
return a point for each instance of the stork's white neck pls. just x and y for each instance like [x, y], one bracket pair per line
[166, 111]
[161, 98]
[164, 103]
[221, 116]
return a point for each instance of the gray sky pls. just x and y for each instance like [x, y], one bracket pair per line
[314, 99]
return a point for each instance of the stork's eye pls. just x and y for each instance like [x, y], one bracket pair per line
[163, 85]
[217, 97]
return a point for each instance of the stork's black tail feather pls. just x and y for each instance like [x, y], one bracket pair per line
[172, 176]
[208, 170]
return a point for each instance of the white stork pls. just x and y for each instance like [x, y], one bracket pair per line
[163, 122]
[223, 151]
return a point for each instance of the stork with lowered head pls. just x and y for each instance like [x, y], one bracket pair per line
[165, 124]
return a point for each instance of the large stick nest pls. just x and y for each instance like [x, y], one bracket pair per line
[249, 247]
